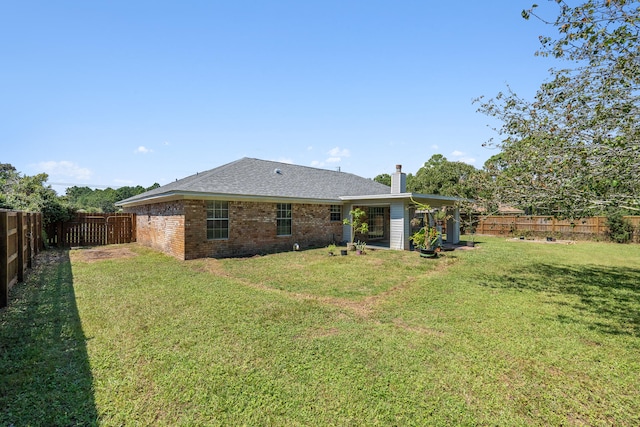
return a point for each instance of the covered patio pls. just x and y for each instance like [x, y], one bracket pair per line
[390, 215]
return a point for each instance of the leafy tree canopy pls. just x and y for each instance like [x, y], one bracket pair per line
[440, 176]
[31, 194]
[102, 200]
[383, 178]
[574, 150]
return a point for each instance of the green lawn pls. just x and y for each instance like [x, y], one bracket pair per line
[511, 333]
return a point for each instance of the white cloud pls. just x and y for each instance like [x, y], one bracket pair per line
[460, 156]
[285, 160]
[336, 155]
[468, 160]
[339, 152]
[166, 143]
[142, 149]
[64, 169]
[434, 147]
[309, 148]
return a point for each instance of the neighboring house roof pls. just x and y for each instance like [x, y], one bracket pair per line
[502, 210]
[255, 178]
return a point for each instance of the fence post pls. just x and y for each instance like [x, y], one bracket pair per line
[20, 220]
[134, 227]
[29, 242]
[38, 243]
[4, 259]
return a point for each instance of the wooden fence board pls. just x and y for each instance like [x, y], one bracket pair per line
[17, 230]
[93, 230]
[586, 227]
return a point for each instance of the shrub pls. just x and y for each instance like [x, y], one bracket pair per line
[620, 230]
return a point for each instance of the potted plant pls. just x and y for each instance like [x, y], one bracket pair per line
[441, 216]
[357, 222]
[427, 239]
[472, 232]
[331, 248]
[469, 220]
[360, 247]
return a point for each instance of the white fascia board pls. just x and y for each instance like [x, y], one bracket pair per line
[194, 195]
[437, 197]
[377, 197]
[431, 198]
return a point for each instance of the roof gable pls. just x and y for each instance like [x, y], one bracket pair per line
[250, 177]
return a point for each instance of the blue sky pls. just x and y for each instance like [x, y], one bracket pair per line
[132, 92]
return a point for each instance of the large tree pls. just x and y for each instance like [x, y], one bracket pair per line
[574, 150]
[31, 193]
[441, 176]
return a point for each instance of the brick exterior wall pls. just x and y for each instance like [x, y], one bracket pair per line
[180, 229]
[161, 226]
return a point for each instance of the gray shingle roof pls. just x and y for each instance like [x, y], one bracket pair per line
[263, 178]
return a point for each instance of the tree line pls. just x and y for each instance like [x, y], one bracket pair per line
[32, 193]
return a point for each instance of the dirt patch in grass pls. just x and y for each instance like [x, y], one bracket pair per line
[419, 329]
[102, 253]
[549, 242]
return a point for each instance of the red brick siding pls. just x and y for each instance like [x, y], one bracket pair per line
[161, 226]
[252, 229]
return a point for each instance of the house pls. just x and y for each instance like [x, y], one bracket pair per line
[253, 206]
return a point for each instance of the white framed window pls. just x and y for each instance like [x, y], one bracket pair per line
[217, 220]
[335, 213]
[283, 219]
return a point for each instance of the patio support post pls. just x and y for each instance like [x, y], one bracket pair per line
[453, 228]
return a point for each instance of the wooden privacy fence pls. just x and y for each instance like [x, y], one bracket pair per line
[584, 228]
[20, 242]
[93, 230]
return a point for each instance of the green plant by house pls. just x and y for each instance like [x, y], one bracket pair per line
[361, 246]
[357, 222]
[427, 236]
[331, 248]
[441, 214]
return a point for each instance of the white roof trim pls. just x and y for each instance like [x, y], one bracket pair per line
[182, 195]
[401, 196]
[193, 195]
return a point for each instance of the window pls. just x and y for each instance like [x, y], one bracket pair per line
[336, 213]
[217, 220]
[283, 219]
[376, 222]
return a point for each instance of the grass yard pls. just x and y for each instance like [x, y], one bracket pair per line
[511, 333]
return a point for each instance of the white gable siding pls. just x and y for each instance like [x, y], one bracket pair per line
[399, 238]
